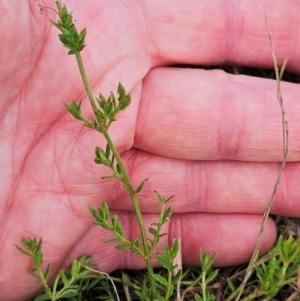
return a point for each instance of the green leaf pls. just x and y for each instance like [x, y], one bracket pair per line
[281, 249]
[104, 211]
[124, 247]
[141, 295]
[38, 259]
[152, 231]
[197, 297]
[39, 245]
[23, 251]
[211, 276]
[141, 186]
[107, 108]
[167, 215]
[101, 100]
[112, 164]
[66, 33]
[109, 178]
[47, 272]
[117, 226]
[119, 171]
[111, 240]
[166, 249]
[160, 279]
[75, 109]
[92, 211]
[113, 101]
[67, 19]
[230, 284]
[177, 277]
[208, 295]
[32, 272]
[136, 243]
[162, 234]
[160, 298]
[90, 284]
[72, 51]
[75, 268]
[164, 261]
[32, 244]
[159, 197]
[124, 99]
[57, 25]
[259, 273]
[64, 277]
[107, 150]
[100, 156]
[101, 216]
[174, 249]
[42, 297]
[69, 293]
[82, 36]
[85, 260]
[206, 261]
[63, 14]
[169, 198]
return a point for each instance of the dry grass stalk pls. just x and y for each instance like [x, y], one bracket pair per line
[285, 152]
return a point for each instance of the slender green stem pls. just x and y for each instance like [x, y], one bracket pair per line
[169, 286]
[54, 288]
[45, 284]
[122, 168]
[86, 82]
[158, 230]
[203, 286]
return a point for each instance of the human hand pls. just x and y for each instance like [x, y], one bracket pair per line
[210, 138]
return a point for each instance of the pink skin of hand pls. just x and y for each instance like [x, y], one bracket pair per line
[212, 139]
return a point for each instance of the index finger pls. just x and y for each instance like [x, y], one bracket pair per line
[230, 32]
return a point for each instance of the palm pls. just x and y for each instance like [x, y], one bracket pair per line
[48, 161]
[47, 170]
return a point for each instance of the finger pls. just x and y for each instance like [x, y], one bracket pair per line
[231, 236]
[205, 32]
[210, 186]
[211, 115]
[188, 32]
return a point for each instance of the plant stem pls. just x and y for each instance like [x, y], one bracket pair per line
[47, 289]
[203, 285]
[126, 179]
[86, 83]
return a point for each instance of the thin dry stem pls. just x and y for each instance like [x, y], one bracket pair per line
[285, 152]
[105, 274]
[178, 261]
[126, 289]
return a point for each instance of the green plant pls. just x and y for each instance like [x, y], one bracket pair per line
[208, 274]
[70, 281]
[275, 277]
[270, 274]
[105, 112]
